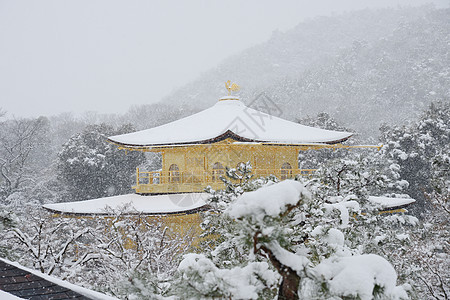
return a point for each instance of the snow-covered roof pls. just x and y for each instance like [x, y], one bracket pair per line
[389, 202]
[168, 204]
[229, 118]
[134, 203]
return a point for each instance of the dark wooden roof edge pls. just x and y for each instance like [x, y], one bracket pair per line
[25, 283]
[339, 141]
[223, 136]
[387, 209]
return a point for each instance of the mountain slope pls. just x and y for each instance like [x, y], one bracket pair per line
[363, 68]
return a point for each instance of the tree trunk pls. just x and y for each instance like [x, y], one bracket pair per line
[289, 285]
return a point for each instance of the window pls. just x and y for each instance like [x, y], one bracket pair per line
[174, 174]
[217, 171]
[286, 171]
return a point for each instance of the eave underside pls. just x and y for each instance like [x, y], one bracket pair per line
[228, 135]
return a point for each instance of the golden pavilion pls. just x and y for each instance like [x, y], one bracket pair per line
[197, 149]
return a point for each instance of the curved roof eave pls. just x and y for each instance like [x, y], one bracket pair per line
[224, 136]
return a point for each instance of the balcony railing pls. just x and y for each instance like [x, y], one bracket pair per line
[159, 182]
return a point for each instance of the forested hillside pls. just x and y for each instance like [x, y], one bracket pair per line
[364, 68]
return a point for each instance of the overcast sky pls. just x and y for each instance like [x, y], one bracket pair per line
[58, 56]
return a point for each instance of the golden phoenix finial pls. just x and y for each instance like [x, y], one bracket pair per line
[231, 87]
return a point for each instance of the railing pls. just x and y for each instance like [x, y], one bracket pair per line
[282, 173]
[175, 177]
[196, 181]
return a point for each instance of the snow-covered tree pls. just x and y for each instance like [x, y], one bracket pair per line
[323, 120]
[8, 220]
[363, 173]
[137, 255]
[90, 167]
[21, 142]
[50, 245]
[424, 260]
[312, 159]
[306, 235]
[303, 238]
[421, 149]
[219, 232]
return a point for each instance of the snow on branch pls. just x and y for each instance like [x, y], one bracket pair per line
[361, 276]
[272, 200]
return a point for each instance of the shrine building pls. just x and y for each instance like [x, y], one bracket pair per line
[196, 150]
